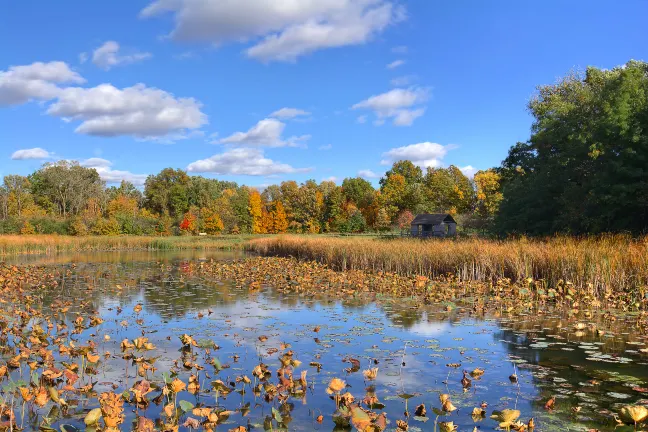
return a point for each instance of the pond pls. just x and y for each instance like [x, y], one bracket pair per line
[420, 353]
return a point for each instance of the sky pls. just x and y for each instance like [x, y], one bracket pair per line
[261, 91]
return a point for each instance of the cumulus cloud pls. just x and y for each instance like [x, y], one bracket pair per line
[32, 153]
[109, 175]
[368, 174]
[289, 113]
[37, 81]
[281, 31]
[469, 171]
[395, 64]
[242, 161]
[267, 132]
[138, 111]
[325, 147]
[425, 154]
[107, 56]
[398, 104]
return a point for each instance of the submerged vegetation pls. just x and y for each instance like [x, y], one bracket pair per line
[599, 267]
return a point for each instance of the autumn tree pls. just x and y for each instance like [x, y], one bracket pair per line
[211, 222]
[189, 224]
[255, 208]
[489, 195]
[17, 187]
[279, 219]
[383, 220]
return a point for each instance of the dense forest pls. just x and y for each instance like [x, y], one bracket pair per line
[583, 170]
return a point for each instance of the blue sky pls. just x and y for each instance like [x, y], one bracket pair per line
[260, 91]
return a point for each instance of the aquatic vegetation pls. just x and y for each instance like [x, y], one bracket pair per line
[49, 244]
[596, 267]
[200, 345]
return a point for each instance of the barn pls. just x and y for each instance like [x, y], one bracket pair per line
[433, 225]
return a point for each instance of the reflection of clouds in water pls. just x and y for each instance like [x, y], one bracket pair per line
[429, 328]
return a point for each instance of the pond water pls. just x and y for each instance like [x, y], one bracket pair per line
[420, 352]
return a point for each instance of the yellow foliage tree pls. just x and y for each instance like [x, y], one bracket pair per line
[279, 218]
[27, 228]
[255, 207]
[489, 195]
[212, 223]
[122, 204]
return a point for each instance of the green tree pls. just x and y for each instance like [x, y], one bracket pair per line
[167, 192]
[359, 191]
[584, 169]
[67, 185]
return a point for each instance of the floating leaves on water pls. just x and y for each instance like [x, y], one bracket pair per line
[447, 426]
[633, 414]
[478, 414]
[371, 373]
[335, 386]
[477, 372]
[92, 417]
[506, 418]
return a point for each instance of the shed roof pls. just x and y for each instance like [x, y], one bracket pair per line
[433, 219]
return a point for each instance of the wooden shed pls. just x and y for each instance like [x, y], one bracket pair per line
[433, 225]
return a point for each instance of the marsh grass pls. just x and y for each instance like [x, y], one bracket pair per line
[48, 244]
[594, 264]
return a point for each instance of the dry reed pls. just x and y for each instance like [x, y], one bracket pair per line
[47, 244]
[592, 264]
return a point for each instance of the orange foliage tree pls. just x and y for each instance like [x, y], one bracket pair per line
[189, 224]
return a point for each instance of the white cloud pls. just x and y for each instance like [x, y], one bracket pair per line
[368, 174]
[109, 175]
[83, 57]
[242, 161]
[288, 113]
[362, 119]
[266, 132]
[396, 104]
[424, 154]
[288, 29]
[400, 49]
[407, 117]
[403, 81]
[139, 111]
[107, 56]
[32, 153]
[395, 64]
[325, 147]
[20, 84]
[331, 179]
[469, 171]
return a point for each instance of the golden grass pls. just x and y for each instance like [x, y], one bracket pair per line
[594, 264]
[46, 244]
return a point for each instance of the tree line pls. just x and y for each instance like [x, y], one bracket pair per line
[584, 169]
[67, 198]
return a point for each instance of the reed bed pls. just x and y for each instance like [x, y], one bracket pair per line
[49, 244]
[592, 264]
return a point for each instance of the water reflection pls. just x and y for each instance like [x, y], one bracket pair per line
[420, 351]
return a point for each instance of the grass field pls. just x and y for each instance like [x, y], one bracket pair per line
[47, 244]
[592, 264]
